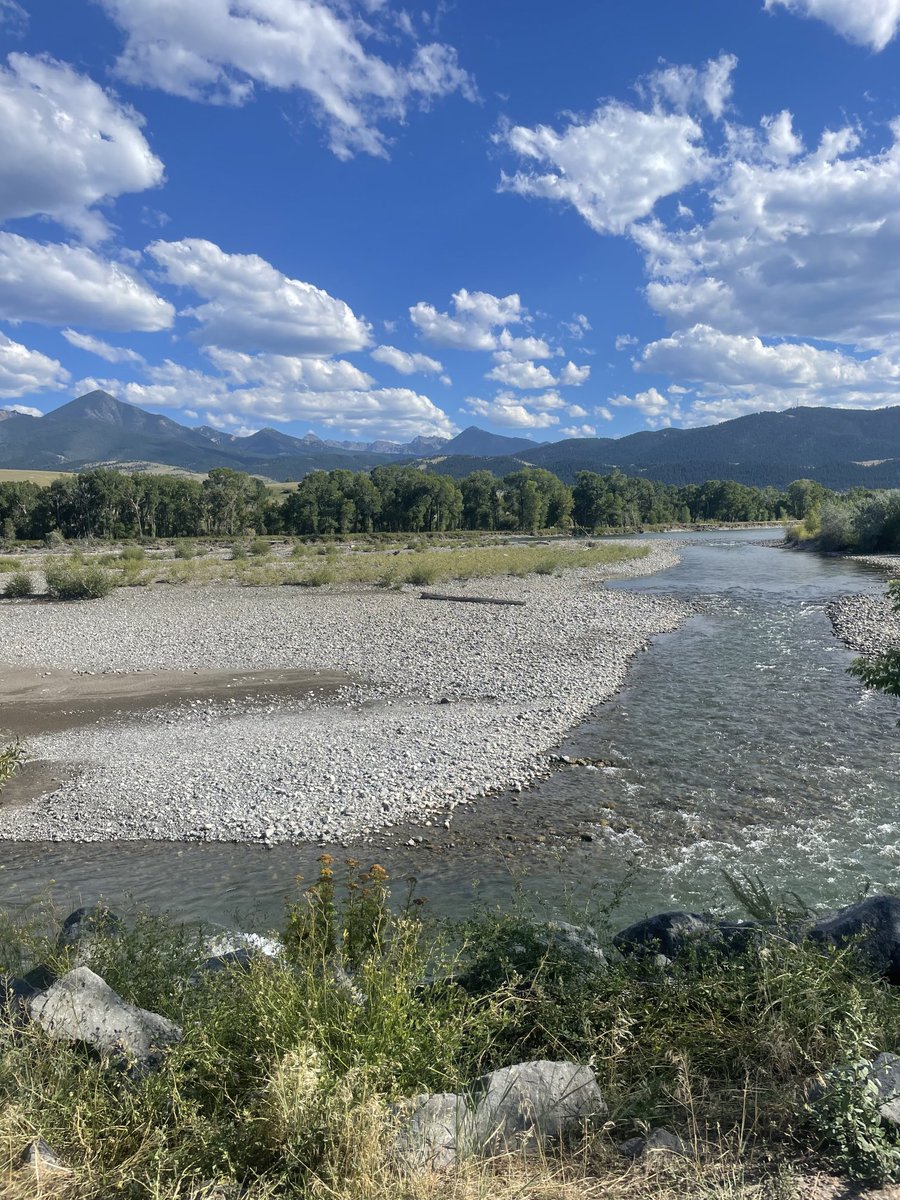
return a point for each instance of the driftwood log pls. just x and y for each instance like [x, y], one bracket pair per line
[467, 599]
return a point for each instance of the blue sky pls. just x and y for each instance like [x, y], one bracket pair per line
[375, 221]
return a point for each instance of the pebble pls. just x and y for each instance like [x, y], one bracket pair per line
[865, 623]
[329, 768]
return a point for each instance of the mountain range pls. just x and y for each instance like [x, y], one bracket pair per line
[840, 447]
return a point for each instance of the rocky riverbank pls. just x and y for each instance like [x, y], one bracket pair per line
[454, 701]
[868, 624]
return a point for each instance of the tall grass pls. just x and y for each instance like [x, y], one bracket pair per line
[284, 1082]
[386, 563]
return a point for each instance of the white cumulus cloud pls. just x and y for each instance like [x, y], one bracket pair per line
[472, 324]
[59, 284]
[259, 390]
[281, 370]
[614, 166]
[93, 345]
[66, 145]
[23, 371]
[526, 375]
[871, 23]
[217, 51]
[658, 411]
[509, 412]
[579, 431]
[250, 305]
[735, 374]
[26, 410]
[689, 89]
[405, 363]
[808, 247]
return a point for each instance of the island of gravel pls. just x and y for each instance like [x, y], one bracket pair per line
[868, 623]
[449, 702]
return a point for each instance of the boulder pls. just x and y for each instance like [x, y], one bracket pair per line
[521, 1107]
[668, 933]
[88, 922]
[874, 924]
[81, 1007]
[40, 978]
[659, 1141]
[231, 960]
[527, 948]
[535, 1102]
[579, 943]
[434, 1130]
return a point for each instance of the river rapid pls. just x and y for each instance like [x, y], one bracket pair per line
[739, 744]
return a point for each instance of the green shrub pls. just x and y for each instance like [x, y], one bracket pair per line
[18, 586]
[133, 554]
[185, 548]
[11, 759]
[422, 575]
[67, 581]
[259, 547]
[238, 552]
[847, 1119]
[318, 578]
[54, 540]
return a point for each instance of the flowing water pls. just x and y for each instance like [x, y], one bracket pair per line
[740, 743]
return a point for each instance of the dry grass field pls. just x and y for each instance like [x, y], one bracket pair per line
[41, 477]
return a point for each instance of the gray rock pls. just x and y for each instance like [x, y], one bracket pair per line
[81, 1007]
[88, 922]
[40, 978]
[524, 1106]
[14, 994]
[434, 1131]
[659, 1141]
[577, 942]
[668, 933]
[219, 964]
[874, 924]
[40, 1157]
[535, 1102]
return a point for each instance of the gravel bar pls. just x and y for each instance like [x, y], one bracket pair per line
[457, 701]
[866, 623]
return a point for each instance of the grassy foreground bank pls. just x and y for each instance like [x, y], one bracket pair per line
[283, 1083]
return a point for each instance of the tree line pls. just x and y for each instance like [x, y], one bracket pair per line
[105, 503]
[868, 522]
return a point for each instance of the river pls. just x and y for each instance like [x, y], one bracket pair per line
[740, 744]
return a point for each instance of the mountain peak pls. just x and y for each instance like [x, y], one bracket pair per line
[478, 443]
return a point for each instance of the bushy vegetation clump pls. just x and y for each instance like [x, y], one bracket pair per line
[74, 580]
[284, 1082]
[19, 586]
[882, 671]
[865, 523]
[11, 759]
